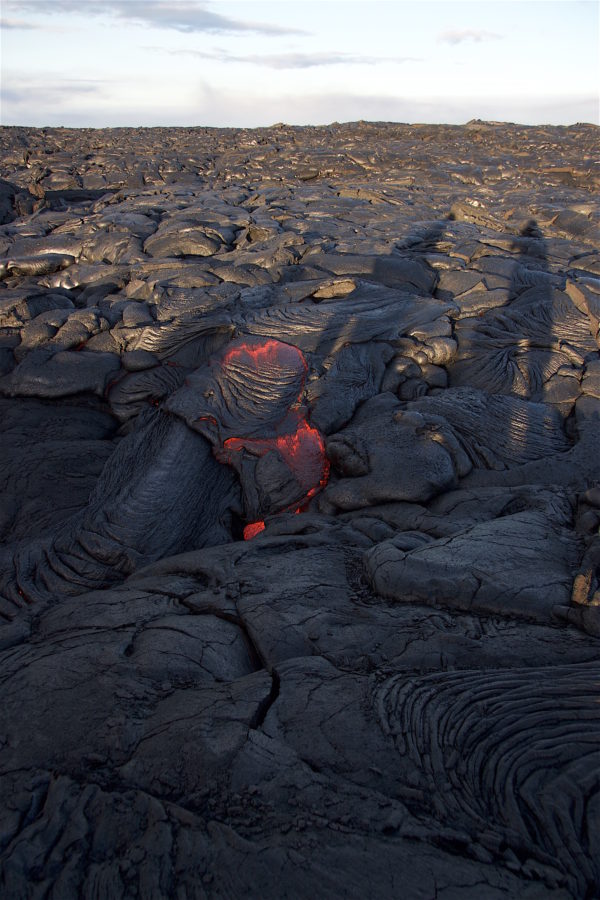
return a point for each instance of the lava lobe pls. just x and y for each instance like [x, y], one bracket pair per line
[246, 401]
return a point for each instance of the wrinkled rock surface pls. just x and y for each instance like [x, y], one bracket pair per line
[372, 350]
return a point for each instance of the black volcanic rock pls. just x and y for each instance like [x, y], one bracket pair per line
[300, 510]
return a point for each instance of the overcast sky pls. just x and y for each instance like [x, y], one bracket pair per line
[185, 62]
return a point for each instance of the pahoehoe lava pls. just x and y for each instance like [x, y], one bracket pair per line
[246, 402]
[300, 562]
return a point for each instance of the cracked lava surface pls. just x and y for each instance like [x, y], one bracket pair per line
[392, 330]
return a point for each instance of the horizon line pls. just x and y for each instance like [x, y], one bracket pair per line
[417, 124]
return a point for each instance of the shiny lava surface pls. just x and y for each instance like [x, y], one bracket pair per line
[298, 443]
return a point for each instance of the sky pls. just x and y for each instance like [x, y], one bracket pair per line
[103, 63]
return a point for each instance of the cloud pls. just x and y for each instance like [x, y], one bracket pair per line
[181, 15]
[310, 60]
[43, 92]
[106, 105]
[16, 24]
[290, 60]
[467, 34]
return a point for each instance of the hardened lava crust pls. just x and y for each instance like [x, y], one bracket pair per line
[300, 506]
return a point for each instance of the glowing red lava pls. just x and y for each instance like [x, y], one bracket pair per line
[268, 353]
[299, 444]
[253, 529]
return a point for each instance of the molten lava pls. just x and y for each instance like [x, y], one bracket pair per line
[299, 445]
[268, 354]
[253, 529]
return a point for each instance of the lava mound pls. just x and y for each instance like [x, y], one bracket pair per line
[247, 403]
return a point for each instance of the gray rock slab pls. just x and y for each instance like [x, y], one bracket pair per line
[517, 565]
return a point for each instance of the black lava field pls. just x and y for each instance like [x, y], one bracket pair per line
[299, 513]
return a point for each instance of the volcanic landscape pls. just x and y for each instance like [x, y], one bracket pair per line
[299, 581]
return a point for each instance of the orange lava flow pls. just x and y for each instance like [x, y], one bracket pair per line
[267, 353]
[261, 356]
[253, 529]
[299, 444]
